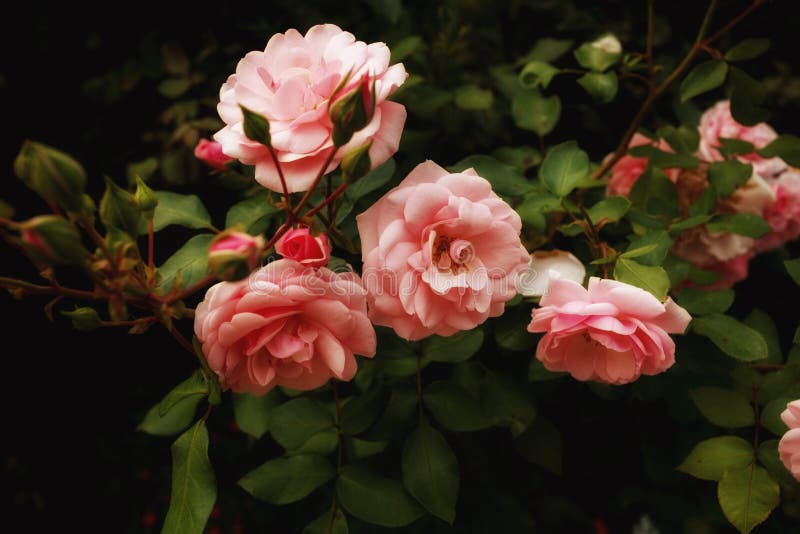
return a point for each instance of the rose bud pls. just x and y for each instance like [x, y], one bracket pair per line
[210, 153]
[146, 199]
[52, 174]
[301, 246]
[53, 240]
[351, 112]
[83, 319]
[233, 255]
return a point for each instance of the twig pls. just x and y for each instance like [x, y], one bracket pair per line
[287, 200]
[35, 289]
[192, 289]
[314, 184]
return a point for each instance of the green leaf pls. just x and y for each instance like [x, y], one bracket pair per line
[509, 402]
[689, 222]
[373, 180]
[430, 471]
[510, 330]
[453, 349]
[172, 422]
[473, 98]
[748, 98]
[663, 159]
[286, 480]
[256, 127]
[602, 87]
[532, 111]
[194, 488]
[505, 179]
[733, 337]
[786, 147]
[192, 386]
[521, 158]
[538, 373]
[563, 168]
[325, 524]
[705, 203]
[683, 139]
[375, 499]
[711, 458]
[611, 209]
[659, 240]
[701, 302]
[548, 50]
[253, 214]
[118, 209]
[537, 74]
[252, 413]
[746, 224]
[728, 176]
[295, 422]
[793, 268]
[360, 412]
[191, 261]
[454, 408]
[747, 496]
[764, 325]
[732, 146]
[595, 58]
[770, 459]
[652, 279]
[322, 443]
[724, 407]
[534, 207]
[183, 210]
[542, 445]
[654, 193]
[747, 49]
[398, 416]
[703, 78]
[770, 416]
[360, 448]
[174, 87]
[405, 47]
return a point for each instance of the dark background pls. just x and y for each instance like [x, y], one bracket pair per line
[71, 458]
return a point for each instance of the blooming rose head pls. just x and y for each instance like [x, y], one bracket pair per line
[789, 445]
[628, 169]
[291, 83]
[286, 325]
[612, 332]
[543, 265]
[718, 122]
[441, 253]
[783, 215]
[301, 246]
[232, 255]
[210, 153]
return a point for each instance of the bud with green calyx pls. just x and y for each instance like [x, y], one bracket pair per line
[146, 199]
[352, 111]
[52, 174]
[256, 127]
[233, 255]
[599, 54]
[83, 319]
[52, 240]
[356, 163]
[118, 209]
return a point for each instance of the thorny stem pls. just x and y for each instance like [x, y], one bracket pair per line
[99, 241]
[327, 202]
[150, 248]
[192, 289]
[35, 289]
[285, 189]
[314, 184]
[132, 322]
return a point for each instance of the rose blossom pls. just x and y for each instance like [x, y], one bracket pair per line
[290, 83]
[441, 253]
[628, 169]
[783, 215]
[286, 325]
[718, 121]
[612, 332]
[232, 255]
[299, 245]
[210, 153]
[789, 445]
[533, 281]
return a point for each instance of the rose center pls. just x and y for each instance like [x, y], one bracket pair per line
[450, 254]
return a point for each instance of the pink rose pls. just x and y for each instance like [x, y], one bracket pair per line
[730, 272]
[718, 122]
[783, 215]
[299, 245]
[441, 253]
[789, 445]
[290, 83]
[612, 332]
[210, 153]
[232, 255]
[628, 169]
[286, 325]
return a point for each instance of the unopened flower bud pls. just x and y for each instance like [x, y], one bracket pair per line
[146, 199]
[256, 128]
[233, 255]
[53, 240]
[118, 209]
[351, 111]
[356, 163]
[83, 319]
[52, 174]
[299, 245]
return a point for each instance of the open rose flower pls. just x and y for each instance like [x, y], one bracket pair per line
[783, 215]
[299, 245]
[718, 122]
[291, 83]
[441, 253]
[611, 332]
[628, 169]
[789, 445]
[286, 325]
[210, 153]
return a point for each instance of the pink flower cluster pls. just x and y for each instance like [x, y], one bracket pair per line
[773, 192]
[789, 445]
